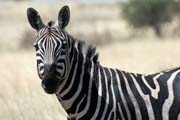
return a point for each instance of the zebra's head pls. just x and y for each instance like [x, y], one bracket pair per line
[51, 48]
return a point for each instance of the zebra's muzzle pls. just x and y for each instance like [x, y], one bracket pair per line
[49, 68]
[50, 86]
[49, 80]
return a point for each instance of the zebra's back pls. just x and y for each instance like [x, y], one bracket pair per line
[136, 96]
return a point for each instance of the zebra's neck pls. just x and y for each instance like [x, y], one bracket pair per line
[75, 90]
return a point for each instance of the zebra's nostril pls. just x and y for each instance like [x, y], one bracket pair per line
[49, 67]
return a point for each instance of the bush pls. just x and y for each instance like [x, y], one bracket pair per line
[149, 13]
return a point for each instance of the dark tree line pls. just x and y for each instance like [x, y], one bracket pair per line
[150, 13]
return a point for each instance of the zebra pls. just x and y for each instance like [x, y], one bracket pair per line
[70, 69]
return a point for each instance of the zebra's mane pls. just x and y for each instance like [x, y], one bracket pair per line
[88, 50]
[91, 53]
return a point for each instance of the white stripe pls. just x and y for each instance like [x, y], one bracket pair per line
[74, 75]
[123, 98]
[41, 71]
[146, 99]
[99, 97]
[113, 94]
[41, 64]
[178, 117]
[60, 64]
[157, 89]
[169, 101]
[68, 103]
[109, 117]
[84, 111]
[72, 82]
[134, 101]
[75, 115]
[107, 96]
[121, 113]
[64, 82]
[59, 70]
[154, 91]
[38, 57]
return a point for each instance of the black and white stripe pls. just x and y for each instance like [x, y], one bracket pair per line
[89, 91]
[50, 48]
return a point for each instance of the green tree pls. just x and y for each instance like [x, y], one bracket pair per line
[151, 13]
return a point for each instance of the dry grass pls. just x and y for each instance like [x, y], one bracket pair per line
[21, 96]
[142, 57]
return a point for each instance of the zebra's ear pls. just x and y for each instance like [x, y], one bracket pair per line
[34, 19]
[63, 17]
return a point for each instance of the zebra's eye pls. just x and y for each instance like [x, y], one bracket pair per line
[36, 46]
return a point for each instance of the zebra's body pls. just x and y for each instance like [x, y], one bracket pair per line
[101, 93]
[89, 91]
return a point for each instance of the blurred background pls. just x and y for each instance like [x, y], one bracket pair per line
[141, 36]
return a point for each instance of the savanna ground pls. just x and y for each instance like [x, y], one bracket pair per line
[119, 46]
